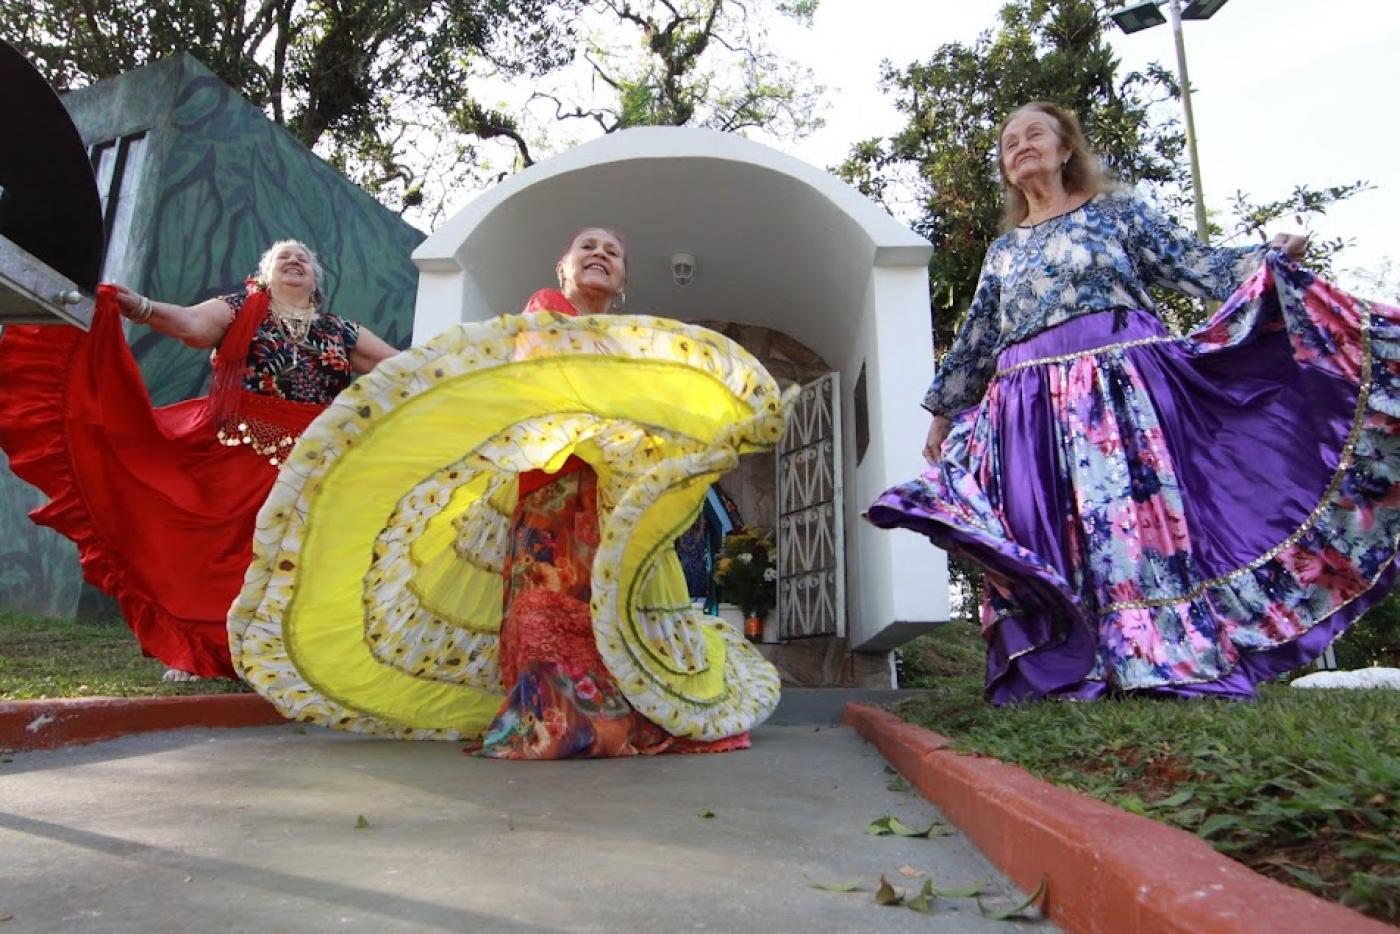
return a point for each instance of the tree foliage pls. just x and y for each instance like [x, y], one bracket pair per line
[940, 168]
[400, 95]
[1304, 202]
[352, 79]
[691, 63]
[1374, 639]
[1380, 282]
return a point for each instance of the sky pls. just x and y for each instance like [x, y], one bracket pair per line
[1285, 92]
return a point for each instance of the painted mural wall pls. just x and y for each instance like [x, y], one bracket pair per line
[218, 184]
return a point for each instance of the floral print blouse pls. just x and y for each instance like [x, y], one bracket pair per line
[315, 371]
[1098, 257]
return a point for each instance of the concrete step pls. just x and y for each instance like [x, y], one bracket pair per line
[826, 705]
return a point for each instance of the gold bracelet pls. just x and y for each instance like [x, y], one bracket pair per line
[143, 313]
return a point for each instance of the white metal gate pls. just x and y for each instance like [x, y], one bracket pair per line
[811, 553]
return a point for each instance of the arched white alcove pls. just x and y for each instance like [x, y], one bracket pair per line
[777, 243]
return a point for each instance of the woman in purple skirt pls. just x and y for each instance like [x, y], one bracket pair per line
[1161, 515]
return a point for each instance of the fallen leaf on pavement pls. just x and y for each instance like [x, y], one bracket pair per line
[962, 891]
[923, 902]
[836, 886]
[1001, 914]
[910, 871]
[361, 823]
[888, 895]
[893, 825]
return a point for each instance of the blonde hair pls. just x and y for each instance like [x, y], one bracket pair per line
[1082, 174]
[263, 277]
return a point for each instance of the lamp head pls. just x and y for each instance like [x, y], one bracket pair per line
[682, 268]
[1138, 17]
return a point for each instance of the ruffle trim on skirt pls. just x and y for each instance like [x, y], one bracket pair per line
[1189, 619]
[41, 367]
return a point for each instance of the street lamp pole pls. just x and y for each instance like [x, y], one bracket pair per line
[1197, 190]
[1147, 14]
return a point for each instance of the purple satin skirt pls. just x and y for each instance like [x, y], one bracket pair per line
[1175, 516]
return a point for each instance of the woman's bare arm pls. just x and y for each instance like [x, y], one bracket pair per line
[369, 351]
[199, 326]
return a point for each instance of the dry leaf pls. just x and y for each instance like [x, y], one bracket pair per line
[836, 886]
[963, 891]
[910, 871]
[888, 895]
[893, 825]
[994, 914]
[923, 902]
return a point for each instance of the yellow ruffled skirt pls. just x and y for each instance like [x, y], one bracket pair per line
[374, 599]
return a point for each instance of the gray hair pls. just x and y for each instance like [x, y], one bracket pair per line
[263, 277]
[1082, 173]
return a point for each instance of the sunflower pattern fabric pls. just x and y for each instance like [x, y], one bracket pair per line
[374, 600]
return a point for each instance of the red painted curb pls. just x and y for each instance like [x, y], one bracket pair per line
[44, 724]
[1109, 871]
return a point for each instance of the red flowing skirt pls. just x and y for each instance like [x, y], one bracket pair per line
[161, 511]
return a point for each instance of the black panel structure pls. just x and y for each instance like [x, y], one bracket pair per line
[50, 214]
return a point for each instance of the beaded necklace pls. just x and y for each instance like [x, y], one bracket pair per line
[295, 324]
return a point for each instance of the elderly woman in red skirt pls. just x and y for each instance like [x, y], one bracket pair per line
[161, 501]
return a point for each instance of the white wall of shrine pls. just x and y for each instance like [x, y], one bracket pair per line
[777, 243]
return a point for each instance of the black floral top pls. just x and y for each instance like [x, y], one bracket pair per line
[315, 370]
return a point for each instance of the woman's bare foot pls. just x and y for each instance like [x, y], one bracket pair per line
[175, 674]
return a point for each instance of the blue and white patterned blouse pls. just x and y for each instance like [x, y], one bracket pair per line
[1098, 257]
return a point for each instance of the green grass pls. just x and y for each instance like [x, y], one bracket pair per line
[45, 658]
[1303, 786]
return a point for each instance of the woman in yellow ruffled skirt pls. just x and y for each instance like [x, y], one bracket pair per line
[475, 541]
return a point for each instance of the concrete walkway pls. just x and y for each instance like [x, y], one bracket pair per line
[254, 830]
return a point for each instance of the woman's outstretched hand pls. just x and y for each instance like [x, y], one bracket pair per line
[937, 433]
[1292, 245]
[128, 301]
